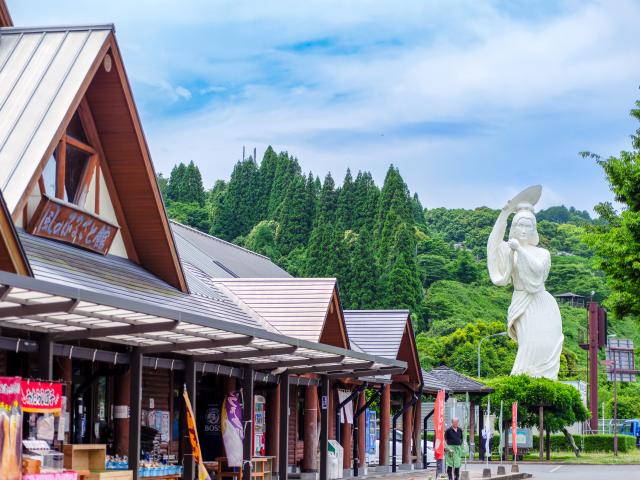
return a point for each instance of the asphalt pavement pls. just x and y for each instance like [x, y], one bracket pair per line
[572, 472]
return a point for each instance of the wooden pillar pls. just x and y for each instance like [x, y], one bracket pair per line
[345, 441]
[247, 414]
[417, 428]
[362, 434]
[325, 394]
[45, 357]
[121, 413]
[273, 427]
[309, 459]
[284, 426]
[407, 429]
[472, 428]
[332, 412]
[135, 401]
[385, 426]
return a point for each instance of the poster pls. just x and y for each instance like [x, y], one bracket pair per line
[41, 397]
[438, 422]
[10, 429]
[165, 427]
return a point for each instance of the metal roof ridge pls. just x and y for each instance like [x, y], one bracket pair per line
[390, 310]
[212, 237]
[276, 279]
[58, 28]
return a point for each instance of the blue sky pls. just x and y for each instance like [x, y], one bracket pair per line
[472, 100]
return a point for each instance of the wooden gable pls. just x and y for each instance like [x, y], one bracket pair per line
[334, 330]
[119, 184]
[5, 16]
[12, 257]
[408, 352]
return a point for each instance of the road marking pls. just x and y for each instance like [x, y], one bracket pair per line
[556, 469]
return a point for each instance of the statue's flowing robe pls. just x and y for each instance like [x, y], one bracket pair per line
[534, 317]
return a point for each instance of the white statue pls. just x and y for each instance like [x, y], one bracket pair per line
[534, 317]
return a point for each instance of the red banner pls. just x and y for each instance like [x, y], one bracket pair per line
[10, 429]
[41, 397]
[514, 427]
[438, 425]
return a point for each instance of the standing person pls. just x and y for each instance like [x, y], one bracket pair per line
[453, 447]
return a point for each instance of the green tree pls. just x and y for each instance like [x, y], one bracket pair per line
[190, 214]
[401, 287]
[365, 204]
[176, 183]
[346, 200]
[616, 238]
[294, 217]
[394, 210]
[162, 186]
[262, 239]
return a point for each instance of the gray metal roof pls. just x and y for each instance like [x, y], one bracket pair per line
[293, 306]
[431, 383]
[454, 382]
[68, 265]
[41, 72]
[221, 259]
[378, 332]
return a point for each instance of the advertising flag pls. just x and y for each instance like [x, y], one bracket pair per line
[514, 427]
[10, 429]
[193, 437]
[232, 429]
[500, 427]
[438, 424]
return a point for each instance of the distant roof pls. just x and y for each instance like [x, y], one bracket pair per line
[68, 265]
[431, 383]
[221, 259]
[378, 332]
[296, 307]
[41, 71]
[454, 382]
[569, 295]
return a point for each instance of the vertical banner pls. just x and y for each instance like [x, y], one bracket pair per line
[233, 429]
[193, 437]
[438, 425]
[10, 429]
[502, 433]
[514, 427]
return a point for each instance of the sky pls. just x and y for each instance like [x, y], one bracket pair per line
[471, 100]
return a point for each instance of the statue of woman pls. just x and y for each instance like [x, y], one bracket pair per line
[534, 317]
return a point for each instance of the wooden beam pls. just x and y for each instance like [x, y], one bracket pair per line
[367, 373]
[330, 368]
[61, 163]
[298, 363]
[74, 142]
[237, 355]
[37, 309]
[99, 332]
[179, 346]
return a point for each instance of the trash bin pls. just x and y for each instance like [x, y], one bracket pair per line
[335, 460]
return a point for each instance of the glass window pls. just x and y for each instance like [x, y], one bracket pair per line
[49, 176]
[75, 129]
[76, 165]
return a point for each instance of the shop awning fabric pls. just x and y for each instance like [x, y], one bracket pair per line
[68, 313]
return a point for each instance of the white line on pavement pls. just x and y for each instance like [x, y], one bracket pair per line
[556, 469]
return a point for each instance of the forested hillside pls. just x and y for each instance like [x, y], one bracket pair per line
[387, 251]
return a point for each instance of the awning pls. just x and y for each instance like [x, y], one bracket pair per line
[69, 313]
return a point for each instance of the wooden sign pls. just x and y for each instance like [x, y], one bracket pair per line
[67, 223]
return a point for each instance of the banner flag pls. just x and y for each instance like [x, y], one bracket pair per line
[41, 397]
[501, 430]
[10, 429]
[193, 437]
[438, 425]
[514, 427]
[233, 429]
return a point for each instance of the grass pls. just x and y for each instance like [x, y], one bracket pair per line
[601, 458]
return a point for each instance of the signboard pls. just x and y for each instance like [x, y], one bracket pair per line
[620, 360]
[68, 223]
[325, 402]
[41, 397]
[523, 436]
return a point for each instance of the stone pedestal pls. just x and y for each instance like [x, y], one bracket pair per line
[501, 470]
[515, 468]
[486, 473]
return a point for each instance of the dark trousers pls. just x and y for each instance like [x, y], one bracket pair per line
[451, 471]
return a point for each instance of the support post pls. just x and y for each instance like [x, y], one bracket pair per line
[135, 359]
[359, 433]
[247, 415]
[417, 414]
[273, 432]
[283, 461]
[190, 385]
[407, 428]
[309, 460]
[45, 357]
[593, 365]
[472, 429]
[385, 425]
[425, 459]
[122, 398]
[324, 427]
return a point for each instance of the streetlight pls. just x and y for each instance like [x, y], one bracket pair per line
[501, 334]
[615, 398]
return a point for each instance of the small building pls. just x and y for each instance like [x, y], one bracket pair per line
[572, 299]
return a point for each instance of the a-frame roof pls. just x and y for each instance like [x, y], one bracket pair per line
[305, 308]
[45, 75]
[387, 333]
